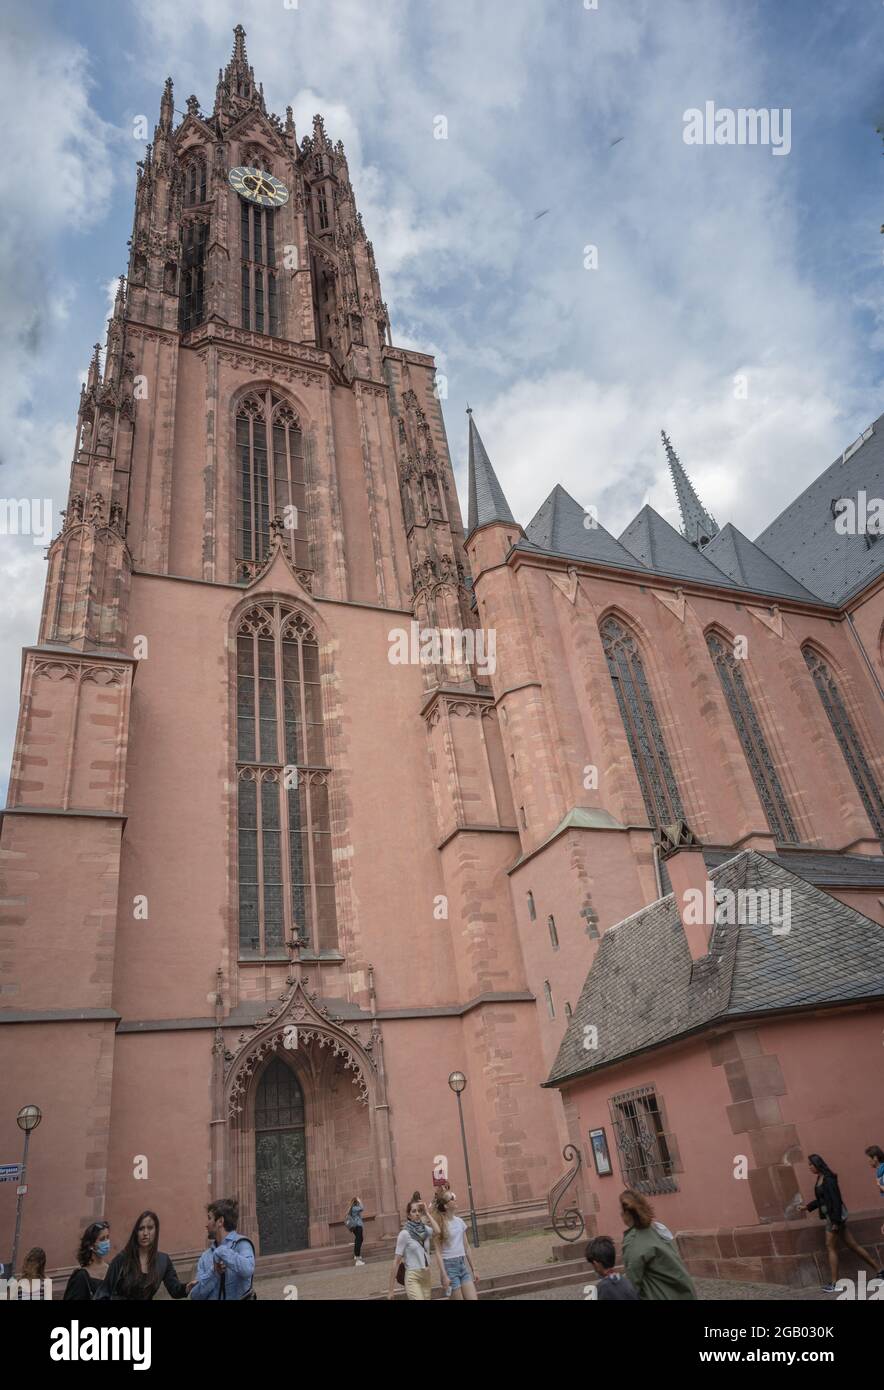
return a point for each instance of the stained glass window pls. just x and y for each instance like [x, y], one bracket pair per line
[751, 736]
[848, 739]
[650, 758]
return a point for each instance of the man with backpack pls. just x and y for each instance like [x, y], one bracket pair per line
[227, 1268]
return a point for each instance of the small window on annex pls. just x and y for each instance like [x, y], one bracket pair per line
[647, 1159]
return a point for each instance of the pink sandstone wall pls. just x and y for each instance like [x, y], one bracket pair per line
[809, 1084]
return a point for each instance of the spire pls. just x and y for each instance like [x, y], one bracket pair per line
[167, 106]
[487, 502]
[94, 374]
[236, 85]
[697, 525]
[120, 297]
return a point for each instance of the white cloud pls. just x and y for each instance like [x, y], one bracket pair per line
[706, 255]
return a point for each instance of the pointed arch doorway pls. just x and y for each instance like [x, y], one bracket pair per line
[280, 1160]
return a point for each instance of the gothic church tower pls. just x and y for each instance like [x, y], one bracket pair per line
[255, 905]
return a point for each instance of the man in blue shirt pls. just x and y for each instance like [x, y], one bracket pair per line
[227, 1268]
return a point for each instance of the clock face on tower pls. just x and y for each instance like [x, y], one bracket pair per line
[258, 186]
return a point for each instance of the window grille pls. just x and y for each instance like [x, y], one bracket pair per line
[645, 1150]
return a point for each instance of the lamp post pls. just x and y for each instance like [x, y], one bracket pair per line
[458, 1083]
[27, 1119]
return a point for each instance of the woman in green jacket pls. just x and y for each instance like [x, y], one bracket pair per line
[649, 1259]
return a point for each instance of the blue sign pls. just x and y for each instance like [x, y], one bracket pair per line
[10, 1172]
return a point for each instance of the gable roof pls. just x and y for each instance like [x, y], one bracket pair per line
[660, 547]
[747, 565]
[559, 527]
[803, 538]
[643, 989]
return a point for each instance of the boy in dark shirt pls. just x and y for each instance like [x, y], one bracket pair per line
[602, 1256]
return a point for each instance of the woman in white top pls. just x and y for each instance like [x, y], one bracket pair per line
[414, 1250]
[457, 1258]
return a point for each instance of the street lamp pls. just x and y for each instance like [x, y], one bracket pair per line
[458, 1083]
[27, 1119]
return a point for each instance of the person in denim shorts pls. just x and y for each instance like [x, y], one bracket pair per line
[455, 1250]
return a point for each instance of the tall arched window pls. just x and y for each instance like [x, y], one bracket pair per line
[194, 241]
[285, 864]
[195, 181]
[649, 755]
[751, 735]
[848, 738]
[272, 481]
[258, 269]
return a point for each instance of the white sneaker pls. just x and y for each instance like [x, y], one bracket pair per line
[359, 1262]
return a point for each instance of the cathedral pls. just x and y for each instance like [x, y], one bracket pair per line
[272, 874]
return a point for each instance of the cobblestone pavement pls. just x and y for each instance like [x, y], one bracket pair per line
[494, 1258]
[713, 1290]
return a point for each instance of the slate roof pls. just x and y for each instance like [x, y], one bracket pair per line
[660, 547]
[643, 989]
[558, 527]
[487, 502]
[836, 870]
[747, 565]
[803, 538]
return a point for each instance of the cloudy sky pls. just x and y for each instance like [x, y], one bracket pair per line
[713, 262]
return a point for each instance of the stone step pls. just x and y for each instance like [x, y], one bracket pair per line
[325, 1257]
[519, 1281]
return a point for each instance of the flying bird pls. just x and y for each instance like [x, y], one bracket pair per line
[616, 142]
[541, 214]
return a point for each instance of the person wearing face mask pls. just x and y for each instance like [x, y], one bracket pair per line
[91, 1268]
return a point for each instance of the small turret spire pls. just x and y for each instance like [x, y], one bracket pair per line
[94, 374]
[167, 106]
[119, 300]
[487, 502]
[697, 525]
[236, 85]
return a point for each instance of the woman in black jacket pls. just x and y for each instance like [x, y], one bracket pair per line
[139, 1269]
[91, 1270]
[830, 1204]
